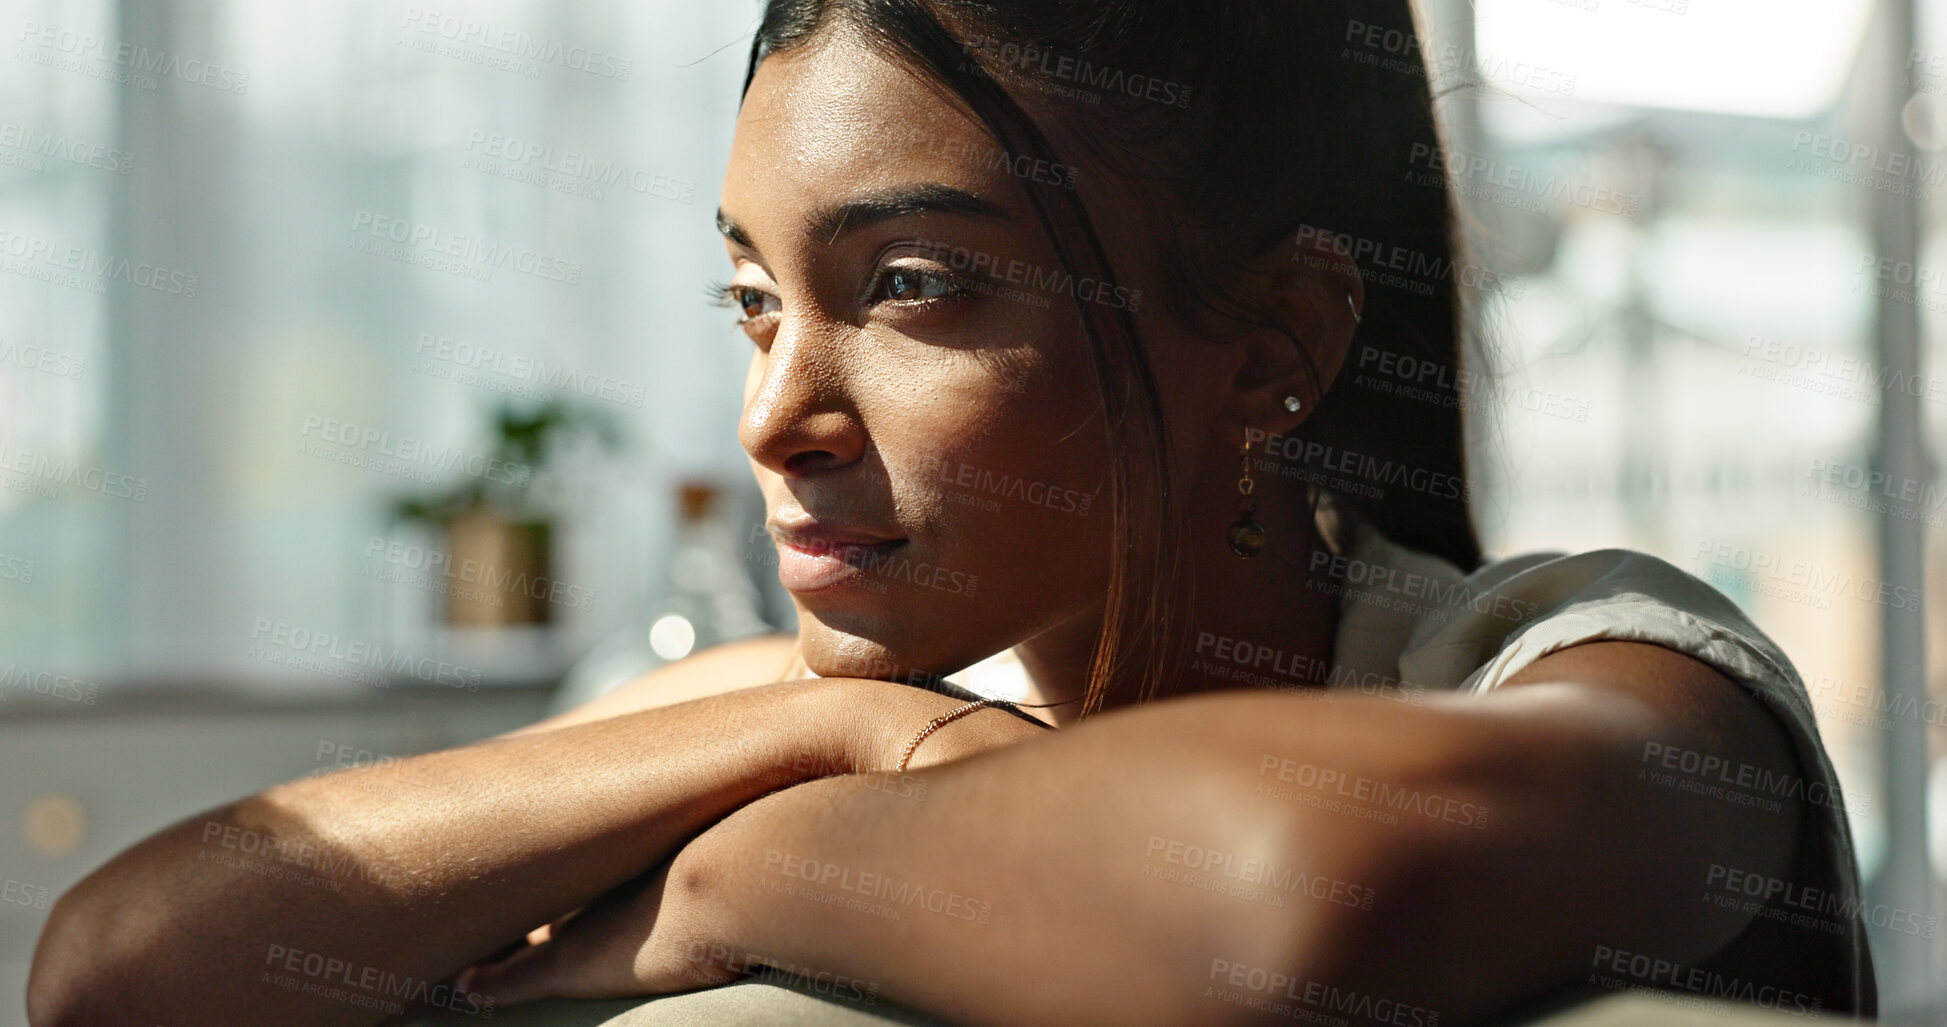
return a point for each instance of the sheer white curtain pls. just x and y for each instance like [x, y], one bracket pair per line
[396, 216]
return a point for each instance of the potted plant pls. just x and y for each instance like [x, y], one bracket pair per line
[496, 526]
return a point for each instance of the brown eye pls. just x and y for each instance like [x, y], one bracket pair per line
[752, 302]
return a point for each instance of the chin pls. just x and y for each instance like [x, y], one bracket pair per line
[855, 645]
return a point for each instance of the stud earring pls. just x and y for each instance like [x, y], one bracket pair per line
[1246, 535]
[1293, 404]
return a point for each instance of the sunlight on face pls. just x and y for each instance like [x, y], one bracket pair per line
[920, 408]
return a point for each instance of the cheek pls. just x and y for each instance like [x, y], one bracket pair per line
[1013, 486]
[994, 418]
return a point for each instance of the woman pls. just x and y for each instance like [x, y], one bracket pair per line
[1056, 322]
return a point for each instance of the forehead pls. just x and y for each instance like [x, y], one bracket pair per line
[834, 116]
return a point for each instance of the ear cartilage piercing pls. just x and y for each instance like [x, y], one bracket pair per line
[1293, 404]
[1246, 535]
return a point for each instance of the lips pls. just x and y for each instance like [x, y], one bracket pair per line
[816, 558]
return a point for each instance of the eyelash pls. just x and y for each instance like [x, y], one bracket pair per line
[725, 295]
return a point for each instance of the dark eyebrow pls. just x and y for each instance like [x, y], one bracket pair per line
[733, 231]
[865, 211]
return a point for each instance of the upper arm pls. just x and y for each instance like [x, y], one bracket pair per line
[723, 668]
[1690, 707]
[1592, 846]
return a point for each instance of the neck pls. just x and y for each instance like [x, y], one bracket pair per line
[1251, 622]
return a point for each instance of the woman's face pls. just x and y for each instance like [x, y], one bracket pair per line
[920, 409]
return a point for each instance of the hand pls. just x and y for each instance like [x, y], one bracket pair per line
[640, 940]
[629, 942]
[892, 715]
[971, 735]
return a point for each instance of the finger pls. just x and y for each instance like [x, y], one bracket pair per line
[532, 973]
[552, 929]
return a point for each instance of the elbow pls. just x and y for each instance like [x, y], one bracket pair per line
[57, 984]
[50, 1001]
[53, 999]
[77, 978]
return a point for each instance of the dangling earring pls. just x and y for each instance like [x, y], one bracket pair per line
[1247, 535]
[1350, 302]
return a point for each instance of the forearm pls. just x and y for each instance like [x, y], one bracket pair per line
[419, 867]
[1117, 872]
[1248, 856]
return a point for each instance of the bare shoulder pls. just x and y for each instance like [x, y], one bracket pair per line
[713, 671]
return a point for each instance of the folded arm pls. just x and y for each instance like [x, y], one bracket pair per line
[384, 881]
[1203, 859]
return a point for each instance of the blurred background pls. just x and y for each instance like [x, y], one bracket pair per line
[359, 395]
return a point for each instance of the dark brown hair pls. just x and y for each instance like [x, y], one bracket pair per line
[1263, 120]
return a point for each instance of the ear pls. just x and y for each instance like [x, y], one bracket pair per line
[1316, 296]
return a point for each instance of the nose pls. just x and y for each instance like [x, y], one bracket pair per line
[799, 418]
